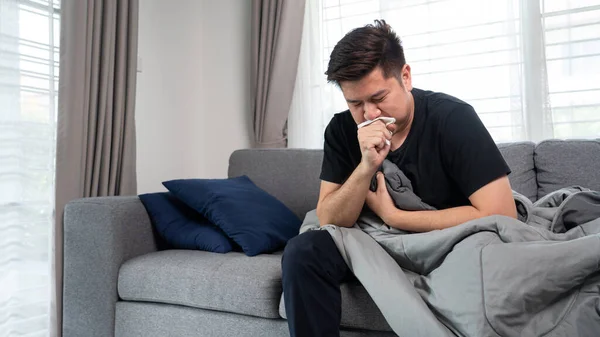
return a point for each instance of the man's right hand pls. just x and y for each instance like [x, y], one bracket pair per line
[341, 204]
[372, 140]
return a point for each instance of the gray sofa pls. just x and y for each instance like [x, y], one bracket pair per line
[118, 281]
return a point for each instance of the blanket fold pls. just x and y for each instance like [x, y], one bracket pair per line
[494, 276]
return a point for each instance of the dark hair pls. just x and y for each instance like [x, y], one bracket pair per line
[363, 49]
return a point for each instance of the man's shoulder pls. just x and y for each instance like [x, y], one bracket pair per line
[344, 117]
[440, 105]
[440, 101]
[341, 122]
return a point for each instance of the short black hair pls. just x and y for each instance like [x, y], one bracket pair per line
[363, 49]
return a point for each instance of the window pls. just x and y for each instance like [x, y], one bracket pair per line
[572, 34]
[531, 70]
[29, 52]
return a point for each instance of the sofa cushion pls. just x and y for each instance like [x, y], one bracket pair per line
[229, 282]
[181, 227]
[137, 319]
[561, 163]
[251, 217]
[358, 309]
[519, 157]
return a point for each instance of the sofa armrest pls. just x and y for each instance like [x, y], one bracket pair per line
[100, 234]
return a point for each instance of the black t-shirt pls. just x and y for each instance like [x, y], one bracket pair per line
[447, 155]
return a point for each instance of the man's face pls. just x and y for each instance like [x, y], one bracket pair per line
[374, 96]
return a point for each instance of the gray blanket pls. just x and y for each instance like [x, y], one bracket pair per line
[494, 276]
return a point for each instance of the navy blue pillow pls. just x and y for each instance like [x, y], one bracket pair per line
[252, 218]
[182, 227]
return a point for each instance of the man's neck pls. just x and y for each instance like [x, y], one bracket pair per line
[403, 128]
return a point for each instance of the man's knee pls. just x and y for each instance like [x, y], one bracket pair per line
[303, 251]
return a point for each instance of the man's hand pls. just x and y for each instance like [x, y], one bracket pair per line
[341, 204]
[381, 201]
[372, 140]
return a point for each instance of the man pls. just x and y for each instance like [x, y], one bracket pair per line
[437, 140]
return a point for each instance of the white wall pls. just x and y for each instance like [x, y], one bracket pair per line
[193, 91]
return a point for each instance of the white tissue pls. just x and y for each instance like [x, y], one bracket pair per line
[386, 120]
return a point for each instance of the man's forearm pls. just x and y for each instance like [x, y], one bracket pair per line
[343, 206]
[423, 221]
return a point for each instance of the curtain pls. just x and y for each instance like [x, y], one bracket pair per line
[29, 36]
[529, 68]
[95, 154]
[276, 34]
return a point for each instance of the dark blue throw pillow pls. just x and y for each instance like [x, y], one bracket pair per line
[182, 227]
[251, 217]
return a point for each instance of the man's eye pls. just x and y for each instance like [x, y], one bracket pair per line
[378, 100]
[357, 104]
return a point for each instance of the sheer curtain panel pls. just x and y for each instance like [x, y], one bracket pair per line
[29, 54]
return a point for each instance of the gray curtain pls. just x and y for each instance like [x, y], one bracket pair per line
[276, 38]
[95, 154]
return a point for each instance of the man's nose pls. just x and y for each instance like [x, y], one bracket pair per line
[371, 111]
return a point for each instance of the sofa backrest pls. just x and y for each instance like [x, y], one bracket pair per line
[562, 163]
[519, 157]
[292, 175]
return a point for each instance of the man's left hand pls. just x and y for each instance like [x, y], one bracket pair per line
[381, 201]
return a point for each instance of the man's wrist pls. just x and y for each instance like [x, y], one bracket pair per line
[388, 217]
[393, 217]
[364, 171]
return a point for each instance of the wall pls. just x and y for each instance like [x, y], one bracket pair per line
[193, 91]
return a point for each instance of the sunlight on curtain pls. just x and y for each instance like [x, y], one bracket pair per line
[530, 69]
[29, 40]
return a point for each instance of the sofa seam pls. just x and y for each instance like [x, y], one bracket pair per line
[206, 307]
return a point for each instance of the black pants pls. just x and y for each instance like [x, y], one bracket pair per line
[312, 272]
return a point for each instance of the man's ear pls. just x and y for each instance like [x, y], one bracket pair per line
[406, 77]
